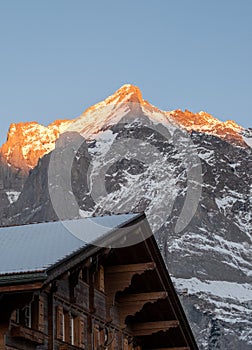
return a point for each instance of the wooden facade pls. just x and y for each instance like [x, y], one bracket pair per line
[98, 298]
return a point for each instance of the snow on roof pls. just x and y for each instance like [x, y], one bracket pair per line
[36, 247]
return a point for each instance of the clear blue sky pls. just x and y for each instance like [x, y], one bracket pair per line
[60, 56]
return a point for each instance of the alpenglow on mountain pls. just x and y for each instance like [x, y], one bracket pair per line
[189, 172]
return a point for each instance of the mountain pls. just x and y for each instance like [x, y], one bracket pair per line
[189, 172]
[27, 142]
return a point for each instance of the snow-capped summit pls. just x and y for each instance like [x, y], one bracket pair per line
[126, 93]
[27, 142]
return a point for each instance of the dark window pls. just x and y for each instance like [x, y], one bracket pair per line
[32, 314]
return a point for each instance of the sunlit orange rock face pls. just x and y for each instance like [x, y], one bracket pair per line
[27, 142]
[206, 123]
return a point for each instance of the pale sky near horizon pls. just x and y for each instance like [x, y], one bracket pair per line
[59, 57]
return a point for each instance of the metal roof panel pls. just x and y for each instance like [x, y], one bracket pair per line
[37, 247]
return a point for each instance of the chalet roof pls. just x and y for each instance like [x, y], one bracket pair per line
[37, 247]
[36, 256]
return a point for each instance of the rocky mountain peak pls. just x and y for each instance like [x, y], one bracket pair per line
[125, 94]
[29, 141]
[205, 123]
[129, 93]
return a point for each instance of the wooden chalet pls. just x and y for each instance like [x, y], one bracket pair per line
[58, 292]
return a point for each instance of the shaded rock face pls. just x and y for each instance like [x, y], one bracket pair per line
[210, 260]
[34, 203]
[11, 183]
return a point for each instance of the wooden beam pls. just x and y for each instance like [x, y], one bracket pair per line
[21, 287]
[130, 268]
[119, 277]
[148, 328]
[146, 297]
[130, 304]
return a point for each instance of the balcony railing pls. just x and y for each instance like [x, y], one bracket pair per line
[18, 331]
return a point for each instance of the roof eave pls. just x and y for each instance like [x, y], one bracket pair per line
[85, 252]
[22, 281]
